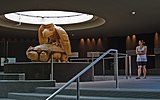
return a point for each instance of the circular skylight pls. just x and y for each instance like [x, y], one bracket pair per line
[47, 17]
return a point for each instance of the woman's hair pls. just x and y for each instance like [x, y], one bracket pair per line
[142, 41]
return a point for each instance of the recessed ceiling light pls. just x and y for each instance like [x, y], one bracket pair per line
[133, 12]
[72, 34]
[47, 17]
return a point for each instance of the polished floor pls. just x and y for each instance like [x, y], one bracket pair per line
[107, 82]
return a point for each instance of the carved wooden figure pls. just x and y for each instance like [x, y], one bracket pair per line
[54, 41]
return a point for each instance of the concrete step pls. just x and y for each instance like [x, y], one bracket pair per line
[107, 78]
[7, 86]
[12, 76]
[124, 93]
[40, 96]
[49, 90]
[7, 99]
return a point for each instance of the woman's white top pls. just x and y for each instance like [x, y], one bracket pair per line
[141, 58]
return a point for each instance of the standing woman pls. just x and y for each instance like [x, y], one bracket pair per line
[141, 52]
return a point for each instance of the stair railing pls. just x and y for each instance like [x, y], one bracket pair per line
[77, 77]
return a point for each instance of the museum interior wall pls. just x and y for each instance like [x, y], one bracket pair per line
[17, 47]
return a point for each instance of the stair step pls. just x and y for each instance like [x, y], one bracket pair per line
[7, 86]
[46, 89]
[7, 99]
[28, 96]
[124, 93]
[40, 96]
[12, 76]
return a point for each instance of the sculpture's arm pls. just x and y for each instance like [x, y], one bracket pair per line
[41, 38]
[64, 40]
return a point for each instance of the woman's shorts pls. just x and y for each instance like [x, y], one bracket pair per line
[141, 63]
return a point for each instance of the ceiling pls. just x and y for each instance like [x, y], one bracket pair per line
[117, 15]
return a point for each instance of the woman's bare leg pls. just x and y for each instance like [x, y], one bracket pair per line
[144, 71]
[139, 71]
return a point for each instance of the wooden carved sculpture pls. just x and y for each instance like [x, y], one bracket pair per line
[54, 41]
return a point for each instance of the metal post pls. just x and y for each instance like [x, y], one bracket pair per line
[116, 68]
[78, 89]
[92, 56]
[130, 64]
[52, 67]
[92, 67]
[103, 67]
[87, 60]
[114, 65]
[126, 66]
[6, 51]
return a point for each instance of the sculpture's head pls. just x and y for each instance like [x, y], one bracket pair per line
[48, 30]
[48, 25]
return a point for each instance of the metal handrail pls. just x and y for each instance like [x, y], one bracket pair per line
[121, 55]
[94, 58]
[77, 77]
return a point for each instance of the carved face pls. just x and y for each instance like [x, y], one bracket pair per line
[48, 26]
[48, 30]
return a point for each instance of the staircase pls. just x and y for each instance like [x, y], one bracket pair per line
[12, 76]
[41, 93]
[21, 86]
[130, 89]
[41, 89]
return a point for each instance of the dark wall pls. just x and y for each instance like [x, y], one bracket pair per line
[132, 41]
[117, 43]
[17, 48]
[2, 49]
[98, 45]
[149, 41]
[85, 45]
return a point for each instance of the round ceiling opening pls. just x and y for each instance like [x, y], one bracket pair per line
[47, 17]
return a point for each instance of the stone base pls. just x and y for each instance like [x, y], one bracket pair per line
[42, 71]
